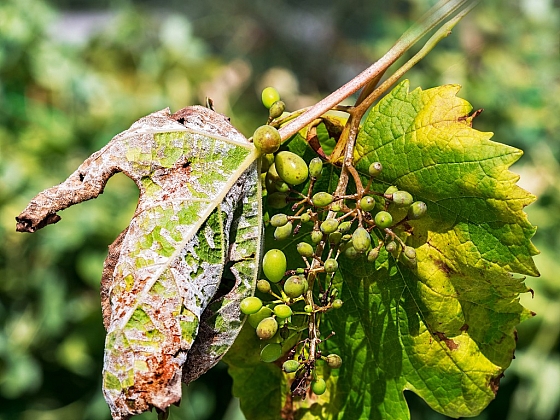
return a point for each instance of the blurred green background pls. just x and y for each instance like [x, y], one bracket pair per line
[74, 73]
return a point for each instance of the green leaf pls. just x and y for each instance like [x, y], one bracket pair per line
[445, 330]
[198, 213]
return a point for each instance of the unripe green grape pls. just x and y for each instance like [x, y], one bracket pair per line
[274, 265]
[283, 232]
[263, 286]
[269, 95]
[267, 139]
[294, 287]
[335, 237]
[305, 217]
[392, 189]
[282, 311]
[409, 252]
[417, 210]
[271, 352]
[373, 254]
[331, 265]
[291, 167]
[308, 308]
[402, 198]
[276, 109]
[392, 247]
[266, 162]
[361, 240]
[350, 252]
[250, 305]
[278, 220]
[322, 199]
[329, 226]
[345, 226]
[290, 366]
[375, 169]
[383, 219]
[277, 200]
[267, 328]
[315, 167]
[255, 319]
[346, 237]
[337, 303]
[281, 186]
[305, 250]
[318, 386]
[367, 203]
[334, 361]
[336, 207]
[316, 236]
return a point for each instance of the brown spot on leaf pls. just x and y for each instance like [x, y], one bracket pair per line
[494, 383]
[464, 328]
[451, 345]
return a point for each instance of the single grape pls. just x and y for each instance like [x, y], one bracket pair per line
[267, 328]
[346, 237]
[350, 252]
[281, 186]
[315, 167]
[269, 95]
[337, 304]
[266, 139]
[291, 168]
[308, 308]
[283, 232]
[274, 265]
[345, 226]
[250, 305]
[329, 226]
[263, 286]
[334, 361]
[336, 206]
[282, 311]
[402, 198]
[361, 240]
[276, 110]
[409, 252]
[383, 219]
[417, 210]
[331, 265]
[375, 169]
[316, 236]
[290, 366]
[322, 199]
[318, 386]
[277, 200]
[391, 247]
[335, 237]
[278, 220]
[392, 189]
[255, 319]
[266, 162]
[305, 217]
[367, 203]
[271, 352]
[305, 250]
[373, 254]
[294, 287]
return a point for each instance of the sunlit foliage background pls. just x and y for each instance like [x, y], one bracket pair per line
[75, 73]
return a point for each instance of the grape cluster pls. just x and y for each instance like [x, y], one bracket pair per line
[332, 225]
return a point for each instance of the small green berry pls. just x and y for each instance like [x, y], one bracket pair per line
[375, 169]
[274, 265]
[335, 237]
[305, 250]
[269, 95]
[409, 252]
[373, 254]
[331, 265]
[305, 217]
[283, 232]
[350, 252]
[291, 167]
[278, 220]
[267, 328]
[367, 203]
[290, 366]
[276, 110]
[267, 139]
[336, 207]
[334, 361]
[392, 247]
[322, 199]
[417, 210]
[345, 226]
[402, 198]
[263, 286]
[271, 352]
[361, 240]
[282, 311]
[318, 386]
[315, 167]
[392, 189]
[255, 319]
[308, 308]
[329, 226]
[316, 236]
[337, 304]
[294, 287]
[250, 305]
[383, 219]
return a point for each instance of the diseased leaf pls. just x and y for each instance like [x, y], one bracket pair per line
[198, 212]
